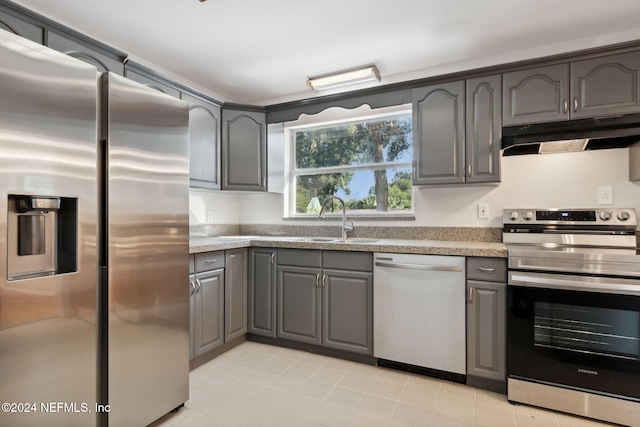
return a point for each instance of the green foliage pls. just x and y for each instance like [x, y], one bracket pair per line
[351, 144]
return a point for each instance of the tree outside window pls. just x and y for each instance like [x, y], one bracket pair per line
[366, 162]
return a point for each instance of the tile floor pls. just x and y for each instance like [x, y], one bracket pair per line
[262, 385]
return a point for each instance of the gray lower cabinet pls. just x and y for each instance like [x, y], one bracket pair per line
[486, 322]
[602, 86]
[347, 310]
[262, 292]
[218, 299]
[299, 296]
[235, 294]
[326, 298]
[457, 129]
[207, 303]
[244, 150]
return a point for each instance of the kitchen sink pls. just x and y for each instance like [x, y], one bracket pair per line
[334, 240]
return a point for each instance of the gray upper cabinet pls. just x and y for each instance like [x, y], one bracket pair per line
[483, 136]
[597, 87]
[605, 86]
[204, 142]
[235, 293]
[536, 95]
[139, 74]
[262, 292]
[438, 134]
[244, 150]
[457, 131]
[105, 59]
[21, 26]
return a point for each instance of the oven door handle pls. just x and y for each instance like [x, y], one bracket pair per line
[607, 285]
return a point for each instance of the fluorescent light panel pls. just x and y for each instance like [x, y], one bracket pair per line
[344, 78]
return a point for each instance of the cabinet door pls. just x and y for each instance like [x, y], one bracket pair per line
[438, 132]
[235, 294]
[156, 83]
[262, 292]
[483, 137]
[605, 86]
[536, 95]
[244, 150]
[103, 60]
[21, 27]
[348, 311]
[486, 329]
[299, 313]
[208, 327]
[204, 143]
[192, 308]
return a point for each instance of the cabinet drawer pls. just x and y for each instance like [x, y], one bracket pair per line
[354, 261]
[299, 257]
[209, 261]
[192, 264]
[487, 269]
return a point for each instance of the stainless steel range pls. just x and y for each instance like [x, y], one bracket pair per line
[573, 321]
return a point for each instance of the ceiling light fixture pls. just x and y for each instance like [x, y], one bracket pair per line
[344, 78]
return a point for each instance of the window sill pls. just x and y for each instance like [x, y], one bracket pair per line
[390, 217]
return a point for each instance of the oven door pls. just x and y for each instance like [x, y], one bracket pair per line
[581, 332]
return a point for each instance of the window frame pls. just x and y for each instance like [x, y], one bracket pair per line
[337, 116]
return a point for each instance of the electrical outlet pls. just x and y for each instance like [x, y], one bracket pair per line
[211, 217]
[605, 195]
[483, 211]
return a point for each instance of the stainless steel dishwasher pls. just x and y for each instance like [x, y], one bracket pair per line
[419, 313]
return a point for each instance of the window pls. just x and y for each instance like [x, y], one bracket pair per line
[364, 160]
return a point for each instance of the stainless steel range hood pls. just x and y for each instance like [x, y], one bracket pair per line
[571, 135]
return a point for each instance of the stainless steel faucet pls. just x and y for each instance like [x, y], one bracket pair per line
[345, 228]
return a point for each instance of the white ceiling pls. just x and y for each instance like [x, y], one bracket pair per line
[262, 52]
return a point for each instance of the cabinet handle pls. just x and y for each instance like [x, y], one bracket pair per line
[210, 261]
[469, 169]
[486, 269]
[273, 258]
[317, 280]
[470, 294]
[324, 280]
[193, 287]
[575, 104]
[565, 106]
[199, 285]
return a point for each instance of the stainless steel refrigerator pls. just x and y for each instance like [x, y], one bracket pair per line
[94, 244]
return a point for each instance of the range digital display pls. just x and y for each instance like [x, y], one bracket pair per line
[566, 215]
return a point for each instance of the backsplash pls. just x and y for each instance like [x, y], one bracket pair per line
[469, 234]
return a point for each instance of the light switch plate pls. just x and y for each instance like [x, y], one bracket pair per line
[605, 195]
[483, 211]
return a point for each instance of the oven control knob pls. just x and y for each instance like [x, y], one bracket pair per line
[623, 216]
[527, 216]
[605, 216]
[513, 215]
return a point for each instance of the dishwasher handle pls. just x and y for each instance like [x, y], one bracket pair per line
[418, 266]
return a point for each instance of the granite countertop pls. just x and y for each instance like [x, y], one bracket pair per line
[425, 247]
